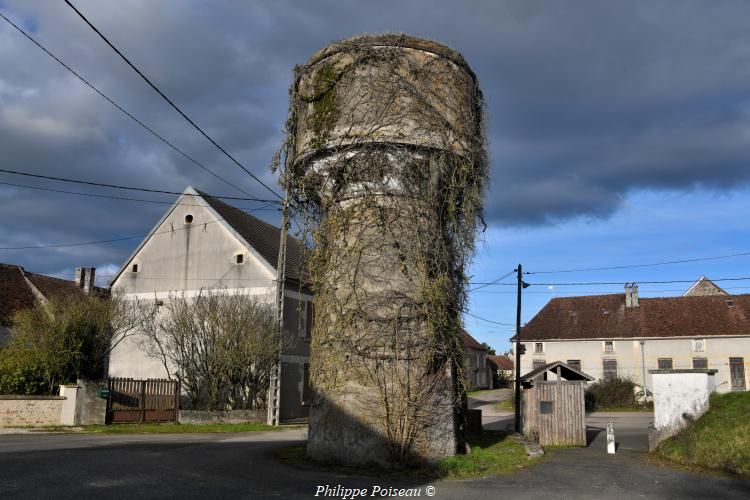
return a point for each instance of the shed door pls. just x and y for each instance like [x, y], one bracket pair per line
[737, 373]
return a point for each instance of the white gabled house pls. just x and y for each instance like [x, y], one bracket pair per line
[202, 242]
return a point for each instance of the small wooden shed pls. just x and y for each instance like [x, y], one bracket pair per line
[554, 411]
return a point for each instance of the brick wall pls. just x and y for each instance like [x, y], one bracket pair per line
[30, 410]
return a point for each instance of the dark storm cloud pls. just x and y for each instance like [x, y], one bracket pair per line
[586, 102]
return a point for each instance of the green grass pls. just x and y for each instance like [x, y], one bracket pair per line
[719, 440]
[506, 404]
[491, 454]
[646, 407]
[480, 391]
[160, 428]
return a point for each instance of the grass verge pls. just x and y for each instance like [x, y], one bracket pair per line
[719, 440]
[491, 454]
[159, 428]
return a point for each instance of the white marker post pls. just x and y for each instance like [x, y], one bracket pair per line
[611, 437]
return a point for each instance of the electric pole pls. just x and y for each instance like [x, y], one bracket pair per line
[521, 285]
[274, 386]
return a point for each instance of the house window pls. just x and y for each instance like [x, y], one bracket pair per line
[698, 345]
[609, 369]
[575, 363]
[536, 364]
[609, 346]
[665, 363]
[539, 347]
[700, 363]
[135, 268]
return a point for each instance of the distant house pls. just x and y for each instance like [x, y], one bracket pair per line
[622, 335]
[202, 243]
[20, 289]
[475, 363]
[501, 368]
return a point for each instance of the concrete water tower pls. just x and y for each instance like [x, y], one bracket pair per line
[386, 155]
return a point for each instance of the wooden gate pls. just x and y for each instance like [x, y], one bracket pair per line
[152, 400]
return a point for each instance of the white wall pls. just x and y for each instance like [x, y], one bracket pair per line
[676, 394]
[628, 353]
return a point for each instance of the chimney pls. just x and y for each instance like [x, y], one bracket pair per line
[85, 279]
[631, 295]
[79, 277]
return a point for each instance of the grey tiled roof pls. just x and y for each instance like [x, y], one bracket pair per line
[263, 237]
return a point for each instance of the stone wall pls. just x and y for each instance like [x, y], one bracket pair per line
[222, 417]
[30, 410]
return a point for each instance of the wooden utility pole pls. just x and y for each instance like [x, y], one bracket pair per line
[517, 393]
[274, 385]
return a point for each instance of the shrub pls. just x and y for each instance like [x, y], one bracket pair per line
[616, 392]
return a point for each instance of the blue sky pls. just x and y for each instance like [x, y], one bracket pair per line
[619, 131]
[652, 226]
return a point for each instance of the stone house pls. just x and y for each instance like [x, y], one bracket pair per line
[20, 289]
[501, 368]
[622, 335]
[202, 243]
[475, 363]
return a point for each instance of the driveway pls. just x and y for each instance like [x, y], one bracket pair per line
[207, 466]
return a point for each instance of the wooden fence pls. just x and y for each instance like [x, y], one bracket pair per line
[152, 400]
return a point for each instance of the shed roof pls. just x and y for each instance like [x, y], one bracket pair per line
[566, 371]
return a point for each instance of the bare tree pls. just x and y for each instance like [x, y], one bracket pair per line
[220, 346]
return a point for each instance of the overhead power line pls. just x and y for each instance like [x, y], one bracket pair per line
[653, 264]
[119, 107]
[168, 100]
[590, 283]
[125, 198]
[195, 225]
[129, 188]
[487, 320]
[493, 281]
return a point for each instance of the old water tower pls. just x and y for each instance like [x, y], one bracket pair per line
[386, 159]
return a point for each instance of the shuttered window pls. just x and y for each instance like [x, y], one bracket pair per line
[665, 363]
[609, 369]
[701, 363]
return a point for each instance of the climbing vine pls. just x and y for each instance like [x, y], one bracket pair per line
[385, 166]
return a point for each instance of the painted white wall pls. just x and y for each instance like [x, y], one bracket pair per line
[678, 393]
[629, 355]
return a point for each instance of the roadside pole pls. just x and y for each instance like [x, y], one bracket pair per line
[521, 285]
[274, 386]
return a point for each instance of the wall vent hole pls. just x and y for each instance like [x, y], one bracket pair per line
[240, 258]
[188, 219]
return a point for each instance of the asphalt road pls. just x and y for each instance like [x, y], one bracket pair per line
[206, 466]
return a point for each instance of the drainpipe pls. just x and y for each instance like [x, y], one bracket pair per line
[643, 364]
